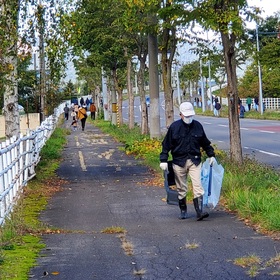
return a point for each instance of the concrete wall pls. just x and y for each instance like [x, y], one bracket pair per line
[34, 122]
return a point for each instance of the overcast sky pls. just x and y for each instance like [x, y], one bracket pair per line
[269, 6]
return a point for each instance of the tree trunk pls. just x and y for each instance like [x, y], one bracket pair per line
[168, 47]
[167, 88]
[117, 117]
[11, 111]
[9, 14]
[234, 125]
[141, 87]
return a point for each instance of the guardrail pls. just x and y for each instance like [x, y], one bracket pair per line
[18, 159]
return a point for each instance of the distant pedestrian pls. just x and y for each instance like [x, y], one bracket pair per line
[249, 103]
[82, 115]
[184, 139]
[217, 108]
[76, 108]
[241, 111]
[74, 123]
[239, 101]
[92, 109]
[66, 112]
[256, 101]
[196, 101]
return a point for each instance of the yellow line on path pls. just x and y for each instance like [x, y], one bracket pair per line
[82, 161]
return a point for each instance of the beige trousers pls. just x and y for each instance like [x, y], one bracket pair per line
[181, 174]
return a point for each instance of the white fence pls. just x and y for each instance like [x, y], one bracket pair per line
[269, 103]
[18, 159]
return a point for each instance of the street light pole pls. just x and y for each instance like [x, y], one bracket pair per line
[202, 87]
[259, 73]
[210, 85]
[178, 85]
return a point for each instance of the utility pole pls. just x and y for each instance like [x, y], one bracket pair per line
[260, 73]
[210, 85]
[202, 87]
[154, 86]
[104, 95]
[178, 85]
[153, 79]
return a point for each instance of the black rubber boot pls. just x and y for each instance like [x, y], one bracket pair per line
[183, 208]
[199, 210]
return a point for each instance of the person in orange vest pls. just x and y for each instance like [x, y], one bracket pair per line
[82, 115]
[92, 109]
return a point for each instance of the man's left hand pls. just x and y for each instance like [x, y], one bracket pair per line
[212, 160]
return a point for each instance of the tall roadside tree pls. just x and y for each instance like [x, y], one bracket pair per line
[47, 24]
[171, 17]
[19, 25]
[189, 75]
[269, 55]
[9, 15]
[136, 28]
[224, 17]
[269, 58]
[98, 32]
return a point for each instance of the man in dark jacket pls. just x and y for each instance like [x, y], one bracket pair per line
[184, 139]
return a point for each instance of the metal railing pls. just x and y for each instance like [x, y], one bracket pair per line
[18, 159]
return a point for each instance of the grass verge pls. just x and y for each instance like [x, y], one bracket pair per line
[20, 236]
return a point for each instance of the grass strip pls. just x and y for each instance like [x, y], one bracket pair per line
[20, 236]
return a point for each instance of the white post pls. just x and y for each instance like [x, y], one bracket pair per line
[210, 85]
[202, 87]
[136, 85]
[105, 96]
[260, 73]
[178, 86]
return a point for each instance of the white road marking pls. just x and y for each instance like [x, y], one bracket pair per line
[263, 152]
[265, 131]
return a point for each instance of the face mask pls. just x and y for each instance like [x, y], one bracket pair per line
[188, 120]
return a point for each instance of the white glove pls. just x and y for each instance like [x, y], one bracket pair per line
[163, 166]
[212, 160]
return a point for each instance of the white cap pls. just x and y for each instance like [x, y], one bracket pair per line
[186, 109]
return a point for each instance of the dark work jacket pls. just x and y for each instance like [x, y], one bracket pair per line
[184, 141]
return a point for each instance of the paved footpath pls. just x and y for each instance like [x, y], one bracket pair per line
[106, 189]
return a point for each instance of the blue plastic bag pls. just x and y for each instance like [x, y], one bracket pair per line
[211, 179]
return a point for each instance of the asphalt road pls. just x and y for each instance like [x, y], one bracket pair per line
[260, 139]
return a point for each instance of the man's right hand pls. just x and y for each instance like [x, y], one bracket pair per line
[163, 166]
